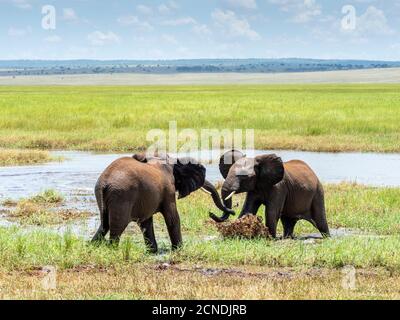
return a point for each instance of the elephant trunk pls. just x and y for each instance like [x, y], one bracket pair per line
[209, 187]
[227, 200]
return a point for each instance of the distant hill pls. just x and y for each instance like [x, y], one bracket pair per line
[53, 67]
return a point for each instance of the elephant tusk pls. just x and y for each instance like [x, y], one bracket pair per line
[205, 191]
[230, 196]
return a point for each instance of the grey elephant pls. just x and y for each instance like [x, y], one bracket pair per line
[290, 191]
[135, 188]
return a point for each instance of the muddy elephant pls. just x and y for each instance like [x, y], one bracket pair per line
[290, 191]
[135, 188]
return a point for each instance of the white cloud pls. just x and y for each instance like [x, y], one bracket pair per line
[143, 9]
[303, 10]
[99, 38]
[69, 14]
[135, 22]
[245, 4]
[233, 26]
[53, 39]
[22, 4]
[166, 8]
[202, 30]
[179, 22]
[19, 32]
[373, 21]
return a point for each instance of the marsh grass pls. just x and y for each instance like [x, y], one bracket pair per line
[40, 210]
[48, 197]
[205, 266]
[299, 117]
[25, 157]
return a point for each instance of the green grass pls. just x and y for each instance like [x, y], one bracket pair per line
[307, 117]
[376, 244]
[40, 210]
[250, 269]
[24, 157]
[48, 197]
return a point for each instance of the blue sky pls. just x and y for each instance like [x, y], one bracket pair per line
[163, 29]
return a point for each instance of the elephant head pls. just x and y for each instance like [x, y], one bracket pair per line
[249, 175]
[189, 177]
[226, 161]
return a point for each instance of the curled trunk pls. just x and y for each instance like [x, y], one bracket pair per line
[227, 203]
[218, 202]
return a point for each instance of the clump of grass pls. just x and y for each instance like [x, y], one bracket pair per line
[31, 213]
[9, 203]
[126, 247]
[248, 227]
[39, 210]
[48, 197]
[24, 157]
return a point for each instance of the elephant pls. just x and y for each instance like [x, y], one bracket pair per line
[135, 188]
[290, 191]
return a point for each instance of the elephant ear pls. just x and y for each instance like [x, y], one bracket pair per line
[269, 169]
[189, 176]
[227, 160]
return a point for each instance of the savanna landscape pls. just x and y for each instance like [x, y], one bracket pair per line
[316, 117]
[364, 220]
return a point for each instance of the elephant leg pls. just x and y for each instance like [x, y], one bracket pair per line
[100, 234]
[288, 227]
[251, 205]
[119, 219]
[272, 219]
[173, 223]
[147, 228]
[318, 213]
[273, 210]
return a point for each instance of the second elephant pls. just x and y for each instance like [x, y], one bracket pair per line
[290, 191]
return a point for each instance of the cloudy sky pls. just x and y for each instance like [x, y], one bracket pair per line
[163, 29]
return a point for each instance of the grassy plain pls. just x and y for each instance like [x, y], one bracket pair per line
[211, 267]
[301, 117]
[12, 157]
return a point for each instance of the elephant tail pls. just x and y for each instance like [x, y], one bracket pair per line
[101, 192]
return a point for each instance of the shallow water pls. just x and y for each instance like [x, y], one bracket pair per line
[75, 178]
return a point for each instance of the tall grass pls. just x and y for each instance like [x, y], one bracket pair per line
[376, 242]
[208, 267]
[307, 117]
[24, 157]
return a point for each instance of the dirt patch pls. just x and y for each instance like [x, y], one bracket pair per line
[285, 274]
[248, 227]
